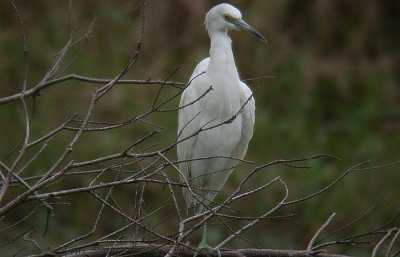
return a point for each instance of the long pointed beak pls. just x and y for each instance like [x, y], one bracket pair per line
[241, 24]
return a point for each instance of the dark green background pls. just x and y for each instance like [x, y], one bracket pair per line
[336, 92]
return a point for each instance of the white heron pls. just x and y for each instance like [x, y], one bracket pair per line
[210, 112]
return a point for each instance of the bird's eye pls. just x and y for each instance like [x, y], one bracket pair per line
[226, 17]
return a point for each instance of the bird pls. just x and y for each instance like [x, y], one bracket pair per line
[216, 115]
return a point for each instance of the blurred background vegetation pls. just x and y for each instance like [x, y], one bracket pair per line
[336, 92]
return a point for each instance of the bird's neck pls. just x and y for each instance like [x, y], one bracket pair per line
[221, 55]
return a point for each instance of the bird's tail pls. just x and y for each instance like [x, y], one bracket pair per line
[198, 206]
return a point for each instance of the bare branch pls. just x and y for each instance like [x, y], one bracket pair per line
[318, 233]
[58, 82]
[376, 248]
[161, 250]
[25, 109]
[393, 241]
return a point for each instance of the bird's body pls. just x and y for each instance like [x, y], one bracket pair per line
[229, 97]
[223, 140]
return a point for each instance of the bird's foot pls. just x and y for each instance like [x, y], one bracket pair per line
[204, 245]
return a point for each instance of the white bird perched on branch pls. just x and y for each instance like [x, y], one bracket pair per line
[214, 125]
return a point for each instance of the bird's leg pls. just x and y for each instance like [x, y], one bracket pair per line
[204, 236]
[203, 244]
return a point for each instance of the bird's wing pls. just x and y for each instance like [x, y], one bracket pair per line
[189, 121]
[248, 119]
[248, 115]
[246, 122]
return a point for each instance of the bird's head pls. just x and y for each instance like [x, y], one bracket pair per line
[224, 17]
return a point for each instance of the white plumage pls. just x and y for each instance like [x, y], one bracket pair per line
[227, 97]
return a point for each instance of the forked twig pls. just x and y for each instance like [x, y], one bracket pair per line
[319, 232]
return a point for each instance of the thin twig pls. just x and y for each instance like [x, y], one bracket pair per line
[392, 242]
[319, 231]
[378, 245]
